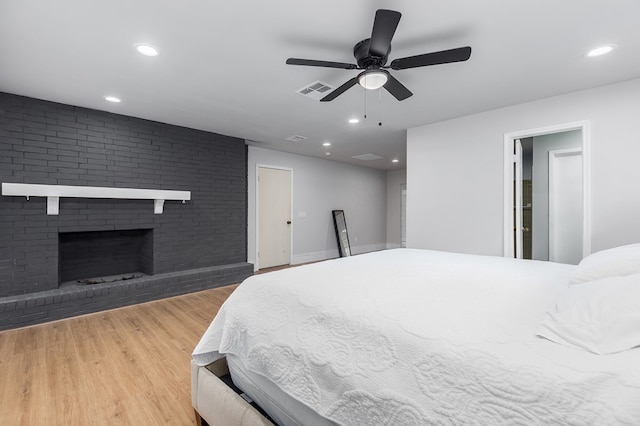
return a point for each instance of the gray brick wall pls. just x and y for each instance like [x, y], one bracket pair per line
[49, 143]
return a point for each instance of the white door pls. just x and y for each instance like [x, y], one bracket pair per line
[517, 208]
[403, 216]
[274, 217]
[565, 205]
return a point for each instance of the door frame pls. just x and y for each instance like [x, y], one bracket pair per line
[509, 138]
[256, 265]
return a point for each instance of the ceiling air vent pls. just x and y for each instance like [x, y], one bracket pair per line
[367, 157]
[296, 138]
[316, 90]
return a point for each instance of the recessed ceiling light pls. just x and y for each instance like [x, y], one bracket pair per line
[327, 153]
[395, 160]
[112, 99]
[326, 144]
[146, 49]
[354, 120]
[601, 50]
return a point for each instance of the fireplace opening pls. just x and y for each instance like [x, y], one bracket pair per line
[104, 256]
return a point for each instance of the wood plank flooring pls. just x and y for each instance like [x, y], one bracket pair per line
[127, 366]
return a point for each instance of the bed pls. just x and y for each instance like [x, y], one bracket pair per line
[419, 337]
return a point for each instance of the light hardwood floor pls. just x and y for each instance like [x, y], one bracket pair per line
[127, 366]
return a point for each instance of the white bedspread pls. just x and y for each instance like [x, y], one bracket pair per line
[417, 337]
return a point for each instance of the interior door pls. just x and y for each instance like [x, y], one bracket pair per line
[403, 216]
[517, 208]
[274, 217]
[565, 205]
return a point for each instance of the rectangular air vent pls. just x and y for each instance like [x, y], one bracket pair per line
[296, 138]
[316, 90]
[367, 157]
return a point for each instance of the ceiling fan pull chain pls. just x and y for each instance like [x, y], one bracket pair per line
[380, 104]
[365, 104]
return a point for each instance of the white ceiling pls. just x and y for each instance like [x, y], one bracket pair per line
[222, 64]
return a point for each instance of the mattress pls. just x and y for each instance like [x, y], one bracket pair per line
[416, 337]
[282, 409]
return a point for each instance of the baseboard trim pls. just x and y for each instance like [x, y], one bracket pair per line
[332, 254]
[367, 248]
[314, 257]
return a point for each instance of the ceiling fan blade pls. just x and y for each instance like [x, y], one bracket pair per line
[326, 64]
[384, 26]
[443, 57]
[397, 89]
[340, 90]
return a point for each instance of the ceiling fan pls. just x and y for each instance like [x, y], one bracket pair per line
[371, 56]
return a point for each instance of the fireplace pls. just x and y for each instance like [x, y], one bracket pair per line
[103, 256]
[138, 163]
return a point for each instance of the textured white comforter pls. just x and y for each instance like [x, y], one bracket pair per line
[417, 337]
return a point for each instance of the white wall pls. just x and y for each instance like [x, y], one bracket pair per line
[395, 180]
[455, 170]
[320, 186]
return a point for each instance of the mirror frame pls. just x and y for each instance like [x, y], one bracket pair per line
[344, 248]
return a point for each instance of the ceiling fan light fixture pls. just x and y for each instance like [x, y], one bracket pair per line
[373, 79]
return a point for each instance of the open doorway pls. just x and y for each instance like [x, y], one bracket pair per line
[547, 194]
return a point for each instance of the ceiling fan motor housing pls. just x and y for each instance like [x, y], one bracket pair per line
[363, 57]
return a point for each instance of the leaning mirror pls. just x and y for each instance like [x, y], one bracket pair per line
[342, 235]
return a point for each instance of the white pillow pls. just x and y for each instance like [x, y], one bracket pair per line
[601, 316]
[615, 262]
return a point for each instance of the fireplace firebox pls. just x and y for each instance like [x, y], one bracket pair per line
[100, 256]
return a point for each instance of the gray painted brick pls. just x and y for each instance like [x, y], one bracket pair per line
[52, 143]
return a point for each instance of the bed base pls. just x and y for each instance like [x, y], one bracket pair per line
[215, 403]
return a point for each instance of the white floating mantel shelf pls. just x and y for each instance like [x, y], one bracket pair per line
[54, 192]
